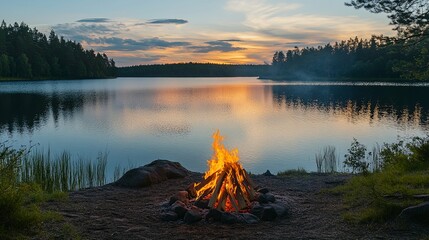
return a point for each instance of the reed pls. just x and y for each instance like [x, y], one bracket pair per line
[377, 161]
[319, 162]
[62, 173]
[330, 159]
[326, 160]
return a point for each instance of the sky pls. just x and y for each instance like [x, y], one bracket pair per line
[134, 32]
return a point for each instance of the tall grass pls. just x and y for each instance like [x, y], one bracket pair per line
[377, 161]
[326, 160]
[18, 212]
[61, 172]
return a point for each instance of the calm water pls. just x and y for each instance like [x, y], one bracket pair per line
[275, 126]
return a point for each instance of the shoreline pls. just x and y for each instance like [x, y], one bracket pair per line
[110, 212]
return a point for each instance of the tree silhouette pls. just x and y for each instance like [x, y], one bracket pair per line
[411, 20]
[410, 17]
[377, 57]
[27, 53]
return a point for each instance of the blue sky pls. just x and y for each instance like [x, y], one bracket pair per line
[224, 31]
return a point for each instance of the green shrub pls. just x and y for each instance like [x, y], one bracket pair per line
[355, 158]
[383, 194]
[407, 156]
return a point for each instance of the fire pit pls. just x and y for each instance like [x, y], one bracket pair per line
[226, 194]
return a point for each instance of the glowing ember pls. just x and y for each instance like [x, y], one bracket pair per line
[226, 184]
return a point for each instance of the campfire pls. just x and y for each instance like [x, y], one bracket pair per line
[226, 194]
[226, 184]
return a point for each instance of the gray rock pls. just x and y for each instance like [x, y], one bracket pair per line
[257, 210]
[202, 203]
[418, 213]
[165, 205]
[228, 218]
[169, 216]
[192, 216]
[214, 214]
[270, 197]
[155, 172]
[172, 200]
[262, 198]
[281, 210]
[179, 208]
[248, 218]
[266, 198]
[268, 173]
[269, 213]
[182, 196]
[263, 190]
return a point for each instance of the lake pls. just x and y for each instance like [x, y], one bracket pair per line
[275, 126]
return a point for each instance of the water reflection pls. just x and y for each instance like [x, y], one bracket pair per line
[404, 105]
[275, 126]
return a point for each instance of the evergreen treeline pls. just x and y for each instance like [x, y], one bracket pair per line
[193, 70]
[377, 57]
[26, 53]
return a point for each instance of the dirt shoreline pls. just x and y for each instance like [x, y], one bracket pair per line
[110, 212]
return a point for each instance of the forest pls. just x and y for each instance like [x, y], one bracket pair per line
[404, 56]
[375, 58]
[26, 53]
[194, 70]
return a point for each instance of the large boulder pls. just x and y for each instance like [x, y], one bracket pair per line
[418, 213]
[152, 173]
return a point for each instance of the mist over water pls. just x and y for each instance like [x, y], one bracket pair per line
[275, 126]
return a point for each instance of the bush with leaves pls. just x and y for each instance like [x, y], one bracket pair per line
[383, 194]
[355, 158]
[407, 156]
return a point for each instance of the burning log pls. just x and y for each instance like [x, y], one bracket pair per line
[217, 189]
[226, 184]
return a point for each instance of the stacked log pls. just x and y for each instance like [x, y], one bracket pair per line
[229, 189]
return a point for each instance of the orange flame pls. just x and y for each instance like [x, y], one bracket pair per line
[226, 184]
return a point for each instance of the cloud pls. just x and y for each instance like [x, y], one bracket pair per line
[83, 31]
[281, 21]
[127, 44]
[93, 20]
[216, 46]
[231, 40]
[167, 21]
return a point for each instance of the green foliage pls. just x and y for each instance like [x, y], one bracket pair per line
[28, 54]
[382, 195]
[410, 156]
[354, 58]
[29, 177]
[400, 12]
[378, 197]
[62, 173]
[355, 158]
[411, 22]
[19, 212]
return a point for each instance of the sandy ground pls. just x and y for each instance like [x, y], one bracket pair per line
[116, 213]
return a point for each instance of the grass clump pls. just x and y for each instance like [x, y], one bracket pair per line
[62, 173]
[19, 211]
[326, 161]
[30, 177]
[293, 172]
[401, 173]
